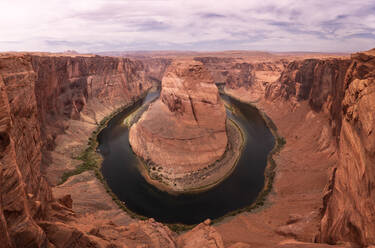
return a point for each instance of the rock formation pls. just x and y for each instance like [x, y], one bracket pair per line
[24, 192]
[155, 67]
[184, 131]
[50, 104]
[349, 201]
[237, 73]
[320, 82]
[343, 91]
[38, 96]
[245, 77]
[203, 235]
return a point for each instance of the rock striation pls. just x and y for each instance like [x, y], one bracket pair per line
[320, 82]
[349, 201]
[342, 90]
[38, 96]
[184, 131]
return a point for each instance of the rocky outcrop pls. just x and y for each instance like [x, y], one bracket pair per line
[140, 234]
[38, 97]
[203, 235]
[349, 202]
[184, 131]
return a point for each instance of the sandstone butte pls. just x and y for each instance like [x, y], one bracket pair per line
[184, 131]
[324, 188]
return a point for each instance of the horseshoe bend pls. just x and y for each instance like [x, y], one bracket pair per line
[183, 134]
[213, 127]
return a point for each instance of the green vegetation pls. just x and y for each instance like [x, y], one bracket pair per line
[179, 228]
[230, 107]
[91, 160]
[135, 116]
[281, 141]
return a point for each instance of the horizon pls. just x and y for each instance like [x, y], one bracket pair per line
[176, 52]
[194, 26]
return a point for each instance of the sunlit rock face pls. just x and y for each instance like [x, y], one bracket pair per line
[185, 129]
[349, 200]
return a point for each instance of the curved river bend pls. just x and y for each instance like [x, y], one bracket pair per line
[239, 190]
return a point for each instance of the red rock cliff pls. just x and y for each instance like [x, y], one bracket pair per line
[320, 82]
[349, 202]
[38, 95]
[344, 91]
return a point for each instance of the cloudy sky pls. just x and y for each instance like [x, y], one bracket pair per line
[120, 25]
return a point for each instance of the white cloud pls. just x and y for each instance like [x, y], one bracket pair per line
[100, 25]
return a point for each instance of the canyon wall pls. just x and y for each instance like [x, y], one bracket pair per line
[349, 201]
[155, 68]
[39, 94]
[243, 76]
[64, 86]
[343, 90]
[235, 73]
[24, 192]
[320, 82]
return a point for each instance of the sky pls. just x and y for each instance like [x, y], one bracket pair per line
[200, 25]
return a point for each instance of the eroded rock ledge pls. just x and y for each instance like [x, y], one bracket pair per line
[184, 133]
